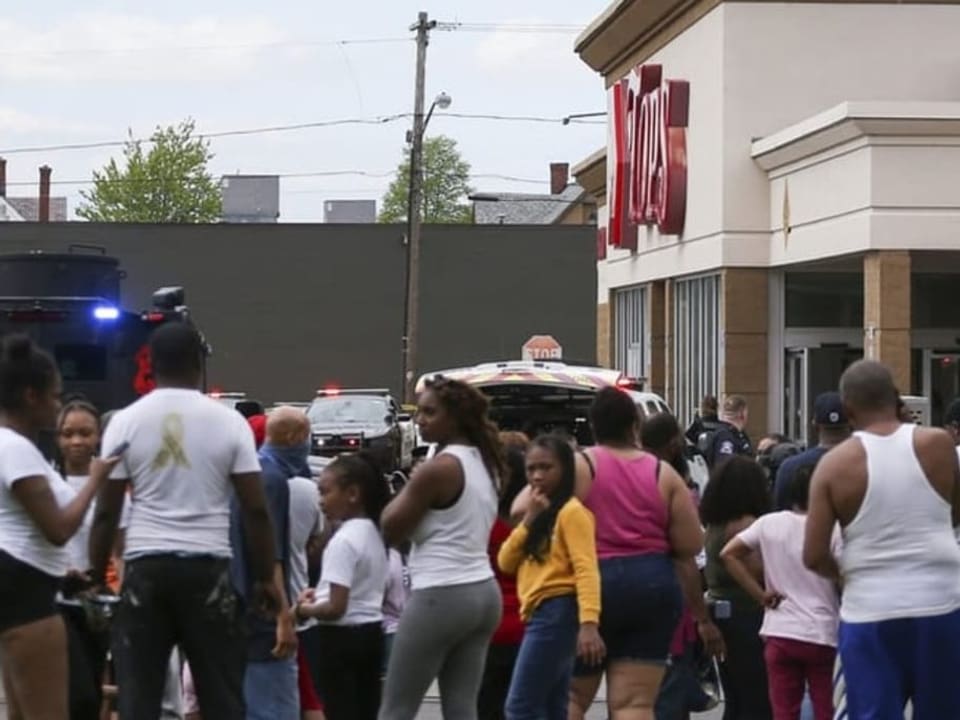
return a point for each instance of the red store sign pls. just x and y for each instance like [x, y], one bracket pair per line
[647, 155]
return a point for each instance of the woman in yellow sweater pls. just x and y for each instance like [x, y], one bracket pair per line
[553, 553]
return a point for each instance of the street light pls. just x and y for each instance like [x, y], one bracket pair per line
[411, 306]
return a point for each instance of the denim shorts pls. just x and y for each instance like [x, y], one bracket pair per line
[640, 608]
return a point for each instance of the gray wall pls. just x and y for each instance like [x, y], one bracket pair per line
[289, 308]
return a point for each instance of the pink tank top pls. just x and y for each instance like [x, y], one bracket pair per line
[625, 500]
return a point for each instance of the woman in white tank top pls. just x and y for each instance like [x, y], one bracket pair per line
[446, 510]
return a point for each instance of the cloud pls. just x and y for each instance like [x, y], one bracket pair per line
[506, 50]
[110, 47]
[14, 121]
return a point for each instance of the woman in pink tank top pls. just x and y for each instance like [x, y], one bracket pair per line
[646, 520]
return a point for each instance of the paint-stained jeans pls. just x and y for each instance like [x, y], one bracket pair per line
[170, 600]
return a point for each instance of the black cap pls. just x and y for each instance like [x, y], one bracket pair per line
[828, 409]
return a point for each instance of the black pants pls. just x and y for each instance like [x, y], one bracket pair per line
[497, 673]
[87, 658]
[346, 662]
[167, 601]
[744, 672]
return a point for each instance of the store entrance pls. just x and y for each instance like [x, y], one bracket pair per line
[810, 371]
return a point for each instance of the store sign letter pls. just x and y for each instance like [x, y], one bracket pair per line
[647, 155]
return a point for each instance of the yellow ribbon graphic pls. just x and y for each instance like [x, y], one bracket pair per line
[171, 450]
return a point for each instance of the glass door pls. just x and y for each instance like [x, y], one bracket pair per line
[795, 394]
[941, 382]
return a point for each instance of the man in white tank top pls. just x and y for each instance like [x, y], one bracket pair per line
[895, 490]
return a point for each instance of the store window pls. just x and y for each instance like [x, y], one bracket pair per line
[933, 301]
[630, 330]
[824, 299]
[696, 333]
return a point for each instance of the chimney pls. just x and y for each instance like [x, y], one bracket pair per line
[3, 177]
[43, 208]
[559, 176]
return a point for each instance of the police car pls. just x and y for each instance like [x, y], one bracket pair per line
[349, 420]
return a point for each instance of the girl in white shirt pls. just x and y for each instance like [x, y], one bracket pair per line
[38, 516]
[348, 600]
[801, 618]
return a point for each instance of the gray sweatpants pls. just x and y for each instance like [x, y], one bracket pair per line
[443, 634]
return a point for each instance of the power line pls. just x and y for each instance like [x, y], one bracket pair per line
[286, 176]
[381, 120]
[191, 48]
[529, 28]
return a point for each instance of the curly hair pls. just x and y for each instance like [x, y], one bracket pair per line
[470, 408]
[541, 530]
[738, 487]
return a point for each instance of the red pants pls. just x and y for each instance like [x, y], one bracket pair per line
[791, 666]
[308, 694]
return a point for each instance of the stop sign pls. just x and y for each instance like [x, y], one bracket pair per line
[542, 347]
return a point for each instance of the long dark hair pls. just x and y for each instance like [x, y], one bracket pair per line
[362, 470]
[538, 538]
[470, 408]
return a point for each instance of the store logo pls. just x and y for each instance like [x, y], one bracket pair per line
[647, 155]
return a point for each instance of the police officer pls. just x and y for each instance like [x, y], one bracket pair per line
[705, 421]
[730, 438]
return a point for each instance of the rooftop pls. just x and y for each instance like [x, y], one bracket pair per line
[506, 208]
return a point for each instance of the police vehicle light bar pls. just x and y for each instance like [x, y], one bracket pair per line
[106, 312]
[333, 391]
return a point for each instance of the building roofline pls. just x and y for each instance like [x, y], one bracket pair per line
[630, 31]
[591, 174]
[850, 120]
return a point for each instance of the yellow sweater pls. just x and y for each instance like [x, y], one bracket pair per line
[570, 567]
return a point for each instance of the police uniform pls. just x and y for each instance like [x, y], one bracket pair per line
[727, 441]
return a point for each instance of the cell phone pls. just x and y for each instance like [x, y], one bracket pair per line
[721, 609]
[119, 449]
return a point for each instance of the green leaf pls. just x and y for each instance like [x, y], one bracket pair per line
[446, 185]
[168, 183]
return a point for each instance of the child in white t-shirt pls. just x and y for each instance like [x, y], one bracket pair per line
[348, 601]
[801, 620]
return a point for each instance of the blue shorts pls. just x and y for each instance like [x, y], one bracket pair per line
[887, 663]
[640, 604]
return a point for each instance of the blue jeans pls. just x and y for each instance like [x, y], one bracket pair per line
[270, 690]
[540, 685]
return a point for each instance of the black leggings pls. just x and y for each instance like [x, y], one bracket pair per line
[346, 662]
[87, 657]
[744, 672]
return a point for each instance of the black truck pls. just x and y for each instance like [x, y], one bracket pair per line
[69, 303]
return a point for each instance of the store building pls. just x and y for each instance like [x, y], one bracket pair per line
[779, 196]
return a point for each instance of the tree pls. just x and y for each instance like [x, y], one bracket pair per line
[446, 185]
[169, 183]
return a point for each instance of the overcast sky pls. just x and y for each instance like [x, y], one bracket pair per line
[71, 75]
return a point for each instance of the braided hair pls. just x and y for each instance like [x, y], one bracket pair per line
[470, 408]
[362, 470]
[77, 404]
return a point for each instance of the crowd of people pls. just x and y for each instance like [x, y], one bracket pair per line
[184, 556]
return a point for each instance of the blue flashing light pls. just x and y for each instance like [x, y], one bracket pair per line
[106, 313]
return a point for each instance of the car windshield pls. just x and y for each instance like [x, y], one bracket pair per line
[345, 409]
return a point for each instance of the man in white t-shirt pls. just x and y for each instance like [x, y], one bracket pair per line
[186, 456]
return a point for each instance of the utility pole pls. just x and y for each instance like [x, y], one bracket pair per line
[411, 329]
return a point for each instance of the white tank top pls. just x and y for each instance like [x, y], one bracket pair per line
[450, 545]
[900, 558]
